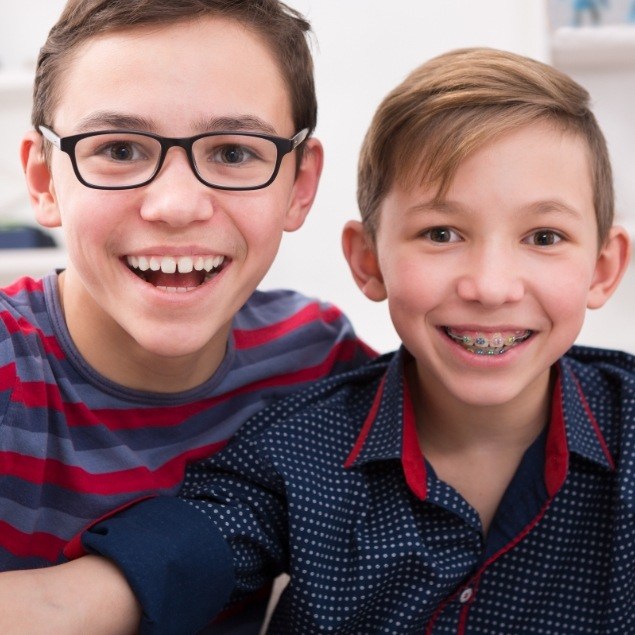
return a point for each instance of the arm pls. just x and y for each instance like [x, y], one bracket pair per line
[177, 563]
[183, 559]
[89, 595]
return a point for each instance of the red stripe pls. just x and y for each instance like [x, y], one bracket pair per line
[556, 451]
[7, 376]
[24, 284]
[310, 313]
[77, 479]
[27, 329]
[594, 423]
[79, 415]
[368, 424]
[411, 457]
[39, 544]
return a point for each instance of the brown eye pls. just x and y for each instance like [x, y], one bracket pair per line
[440, 235]
[121, 152]
[545, 238]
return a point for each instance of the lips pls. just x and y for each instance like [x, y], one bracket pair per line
[176, 274]
[488, 342]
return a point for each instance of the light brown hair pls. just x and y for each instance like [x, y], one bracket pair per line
[282, 29]
[455, 103]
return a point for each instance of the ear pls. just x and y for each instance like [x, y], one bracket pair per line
[361, 256]
[611, 265]
[39, 181]
[306, 184]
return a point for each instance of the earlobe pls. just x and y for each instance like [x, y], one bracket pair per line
[39, 181]
[306, 184]
[611, 265]
[362, 259]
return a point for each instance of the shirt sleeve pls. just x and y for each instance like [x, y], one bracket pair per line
[224, 538]
[176, 562]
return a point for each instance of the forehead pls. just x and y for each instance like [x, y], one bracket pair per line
[176, 77]
[532, 167]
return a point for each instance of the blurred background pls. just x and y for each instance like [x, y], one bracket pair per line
[362, 49]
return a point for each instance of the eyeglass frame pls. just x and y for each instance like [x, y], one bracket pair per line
[67, 145]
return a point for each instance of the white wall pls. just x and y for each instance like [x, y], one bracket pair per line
[363, 48]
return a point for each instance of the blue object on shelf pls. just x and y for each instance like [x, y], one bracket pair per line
[23, 237]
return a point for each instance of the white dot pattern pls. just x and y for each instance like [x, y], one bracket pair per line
[365, 555]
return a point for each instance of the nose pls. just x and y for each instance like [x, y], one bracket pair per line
[176, 196]
[491, 276]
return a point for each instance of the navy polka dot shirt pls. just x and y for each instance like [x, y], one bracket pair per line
[330, 486]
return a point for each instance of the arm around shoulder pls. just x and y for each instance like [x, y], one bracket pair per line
[177, 563]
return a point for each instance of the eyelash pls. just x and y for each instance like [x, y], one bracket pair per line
[555, 237]
[428, 234]
[551, 232]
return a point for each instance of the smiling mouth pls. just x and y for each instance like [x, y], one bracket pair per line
[176, 274]
[496, 343]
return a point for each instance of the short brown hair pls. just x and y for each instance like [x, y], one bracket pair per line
[455, 103]
[283, 29]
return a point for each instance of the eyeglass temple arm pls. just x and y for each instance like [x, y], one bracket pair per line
[48, 134]
[299, 138]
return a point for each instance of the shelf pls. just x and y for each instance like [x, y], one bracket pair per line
[597, 48]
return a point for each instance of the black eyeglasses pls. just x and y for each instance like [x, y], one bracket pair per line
[125, 159]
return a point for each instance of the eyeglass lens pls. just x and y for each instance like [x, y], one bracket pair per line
[125, 159]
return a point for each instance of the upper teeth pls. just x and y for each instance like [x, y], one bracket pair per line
[170, 264]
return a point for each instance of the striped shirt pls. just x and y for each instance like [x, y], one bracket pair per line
[75, 446]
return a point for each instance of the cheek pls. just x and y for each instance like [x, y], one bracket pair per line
[564, 295]
[91, 217]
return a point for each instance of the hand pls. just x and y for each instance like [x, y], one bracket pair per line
[87, 595]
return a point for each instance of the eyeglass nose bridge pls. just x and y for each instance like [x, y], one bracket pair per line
[186, 144]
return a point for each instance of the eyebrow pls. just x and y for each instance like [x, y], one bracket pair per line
[123, 121]
[539, 207]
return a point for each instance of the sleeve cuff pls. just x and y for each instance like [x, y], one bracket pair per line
[175, 560]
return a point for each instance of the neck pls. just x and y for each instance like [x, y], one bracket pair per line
[451, 426]
[114, 354]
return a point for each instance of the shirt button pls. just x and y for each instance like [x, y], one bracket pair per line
[466, 594]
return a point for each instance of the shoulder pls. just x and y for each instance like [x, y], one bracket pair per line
[602, 370]
[295, 332]
[606, 379]
[345, 397]
[22, 308]
[273, 307]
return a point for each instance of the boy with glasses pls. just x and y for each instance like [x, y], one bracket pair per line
[479, 480]
[172, 142]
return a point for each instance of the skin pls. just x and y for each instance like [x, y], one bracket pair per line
[175, 81]
[157, 80]
[512, 248]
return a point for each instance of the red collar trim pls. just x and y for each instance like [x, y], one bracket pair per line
[368, 424]
[411, 456]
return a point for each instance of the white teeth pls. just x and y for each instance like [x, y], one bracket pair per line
[172, 264]
[168, 264]
[185, 264]
[175, 289]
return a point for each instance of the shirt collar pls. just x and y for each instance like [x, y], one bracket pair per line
[583, 433]
[389, 431]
